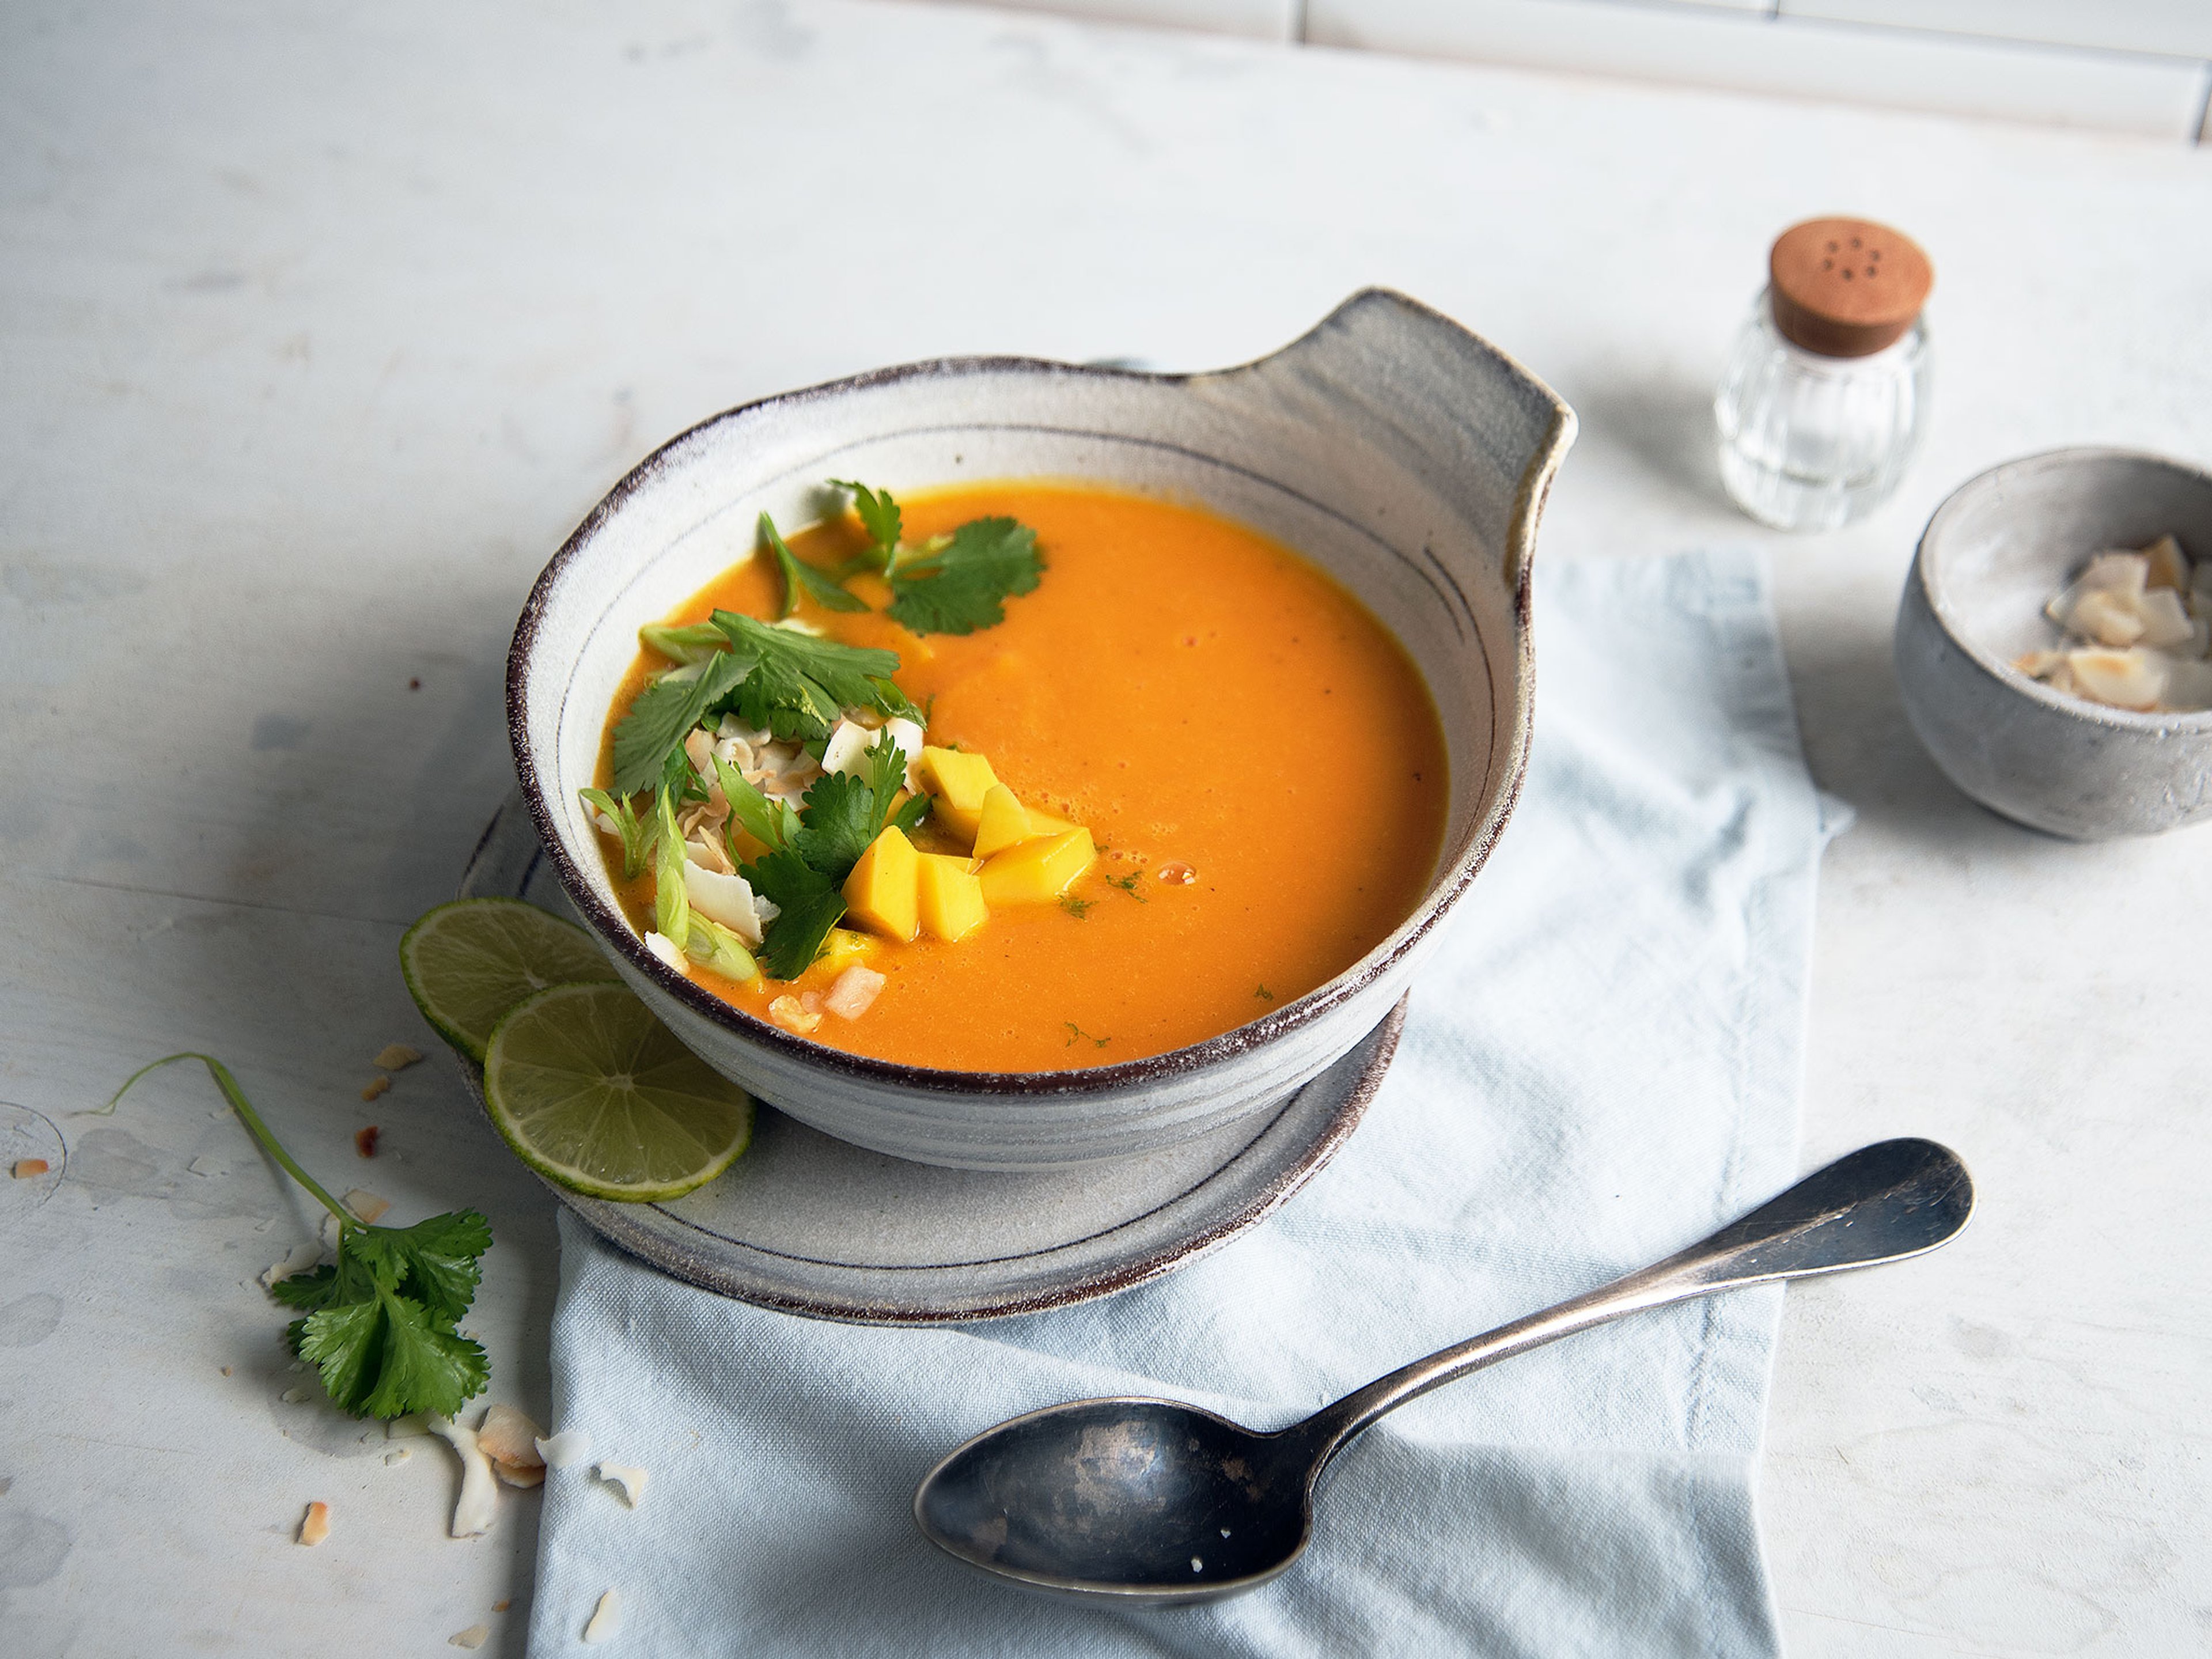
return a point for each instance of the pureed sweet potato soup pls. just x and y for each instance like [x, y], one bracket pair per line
[1019, 777]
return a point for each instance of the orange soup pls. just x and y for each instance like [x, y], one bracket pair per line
[1256, 762]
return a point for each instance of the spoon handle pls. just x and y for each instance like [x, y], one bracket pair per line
[1882, 1203]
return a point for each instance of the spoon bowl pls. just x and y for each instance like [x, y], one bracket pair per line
[1136, 1500]
[1140, 1499]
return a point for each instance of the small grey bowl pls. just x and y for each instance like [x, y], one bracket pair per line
[1990, 557]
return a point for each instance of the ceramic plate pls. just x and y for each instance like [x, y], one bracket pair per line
[813, 1225]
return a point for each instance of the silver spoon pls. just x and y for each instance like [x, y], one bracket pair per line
[1147, 1501]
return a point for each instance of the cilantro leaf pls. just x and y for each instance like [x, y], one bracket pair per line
[846, 811]
[796, 685]
[800, 576]
[879, 517]
[809, 906]
[390, 1355]
[438, 1261]
[380, 1320]
[959, 587]
[665, 711]
[837, 825]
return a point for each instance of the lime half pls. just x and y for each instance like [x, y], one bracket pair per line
[593, 1092]
[469, 961]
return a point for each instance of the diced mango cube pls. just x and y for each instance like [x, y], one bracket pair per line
[1002, 823]
[951, 895]
[959, 781]
[1043, 822]
[883, 893]
[1038, 871]
[842, 948]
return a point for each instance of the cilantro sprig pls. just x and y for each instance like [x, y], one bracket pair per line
[804, 874]
[960, 586]
[380, 1322]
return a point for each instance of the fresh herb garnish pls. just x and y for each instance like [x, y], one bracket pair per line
[637, 833]
[879, 517]
[1078, 907]
[1075, 1031]
[844, 813]
[803, 877]
[808, 905]
[379, 1322]
[800, 576]
[770, 822]
[671, 905]
[791, 685]
[1264, 994]
[665, 712]
[795, 686]
[1128, 884]
[959, 587]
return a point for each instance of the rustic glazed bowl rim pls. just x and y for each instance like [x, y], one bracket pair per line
[1928, 565]
[1445, 887]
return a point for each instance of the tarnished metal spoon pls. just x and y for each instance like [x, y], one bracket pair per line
[1136, 1500]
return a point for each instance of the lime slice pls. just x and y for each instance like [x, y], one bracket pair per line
[469, 961]
[593, 1092]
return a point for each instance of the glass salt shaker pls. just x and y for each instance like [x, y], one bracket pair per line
[1827, 391]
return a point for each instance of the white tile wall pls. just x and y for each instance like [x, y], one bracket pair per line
[2179, 28]
[2135, 66]
[1908, 68]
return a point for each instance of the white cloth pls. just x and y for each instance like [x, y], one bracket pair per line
[1602, 1065]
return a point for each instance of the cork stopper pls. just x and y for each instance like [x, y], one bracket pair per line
[1846, 287]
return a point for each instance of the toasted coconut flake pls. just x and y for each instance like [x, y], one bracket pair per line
[847, 750]
[24, 1167]
[727, 898]
[479, 1499]
[2037, 665]
[2166, 565]
[2119, 570]
[508, 1436]
[855, 989]
[2124, 679]
[474, 1637]
[300, 1258]
[521, 1476]
[570, 1446]
[315, 1524]
[376, 1086]
[667, 948]
[628, 1477]
[791, 1014]
[699, 748]
[396, 1057]
[2107, 617]
[607, 1619]
[2166, 621]
[367, 1206]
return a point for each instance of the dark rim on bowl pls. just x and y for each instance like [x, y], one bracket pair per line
[1459, 866]
[1998, 668]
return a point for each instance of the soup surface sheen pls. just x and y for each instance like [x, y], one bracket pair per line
[1193, 693]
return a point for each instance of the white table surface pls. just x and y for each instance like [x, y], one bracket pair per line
[320, 327]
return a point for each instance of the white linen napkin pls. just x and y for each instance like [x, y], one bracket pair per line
[1602, 1065]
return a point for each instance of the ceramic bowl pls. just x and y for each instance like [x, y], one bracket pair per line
[1392, 446]
[1991, 556]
